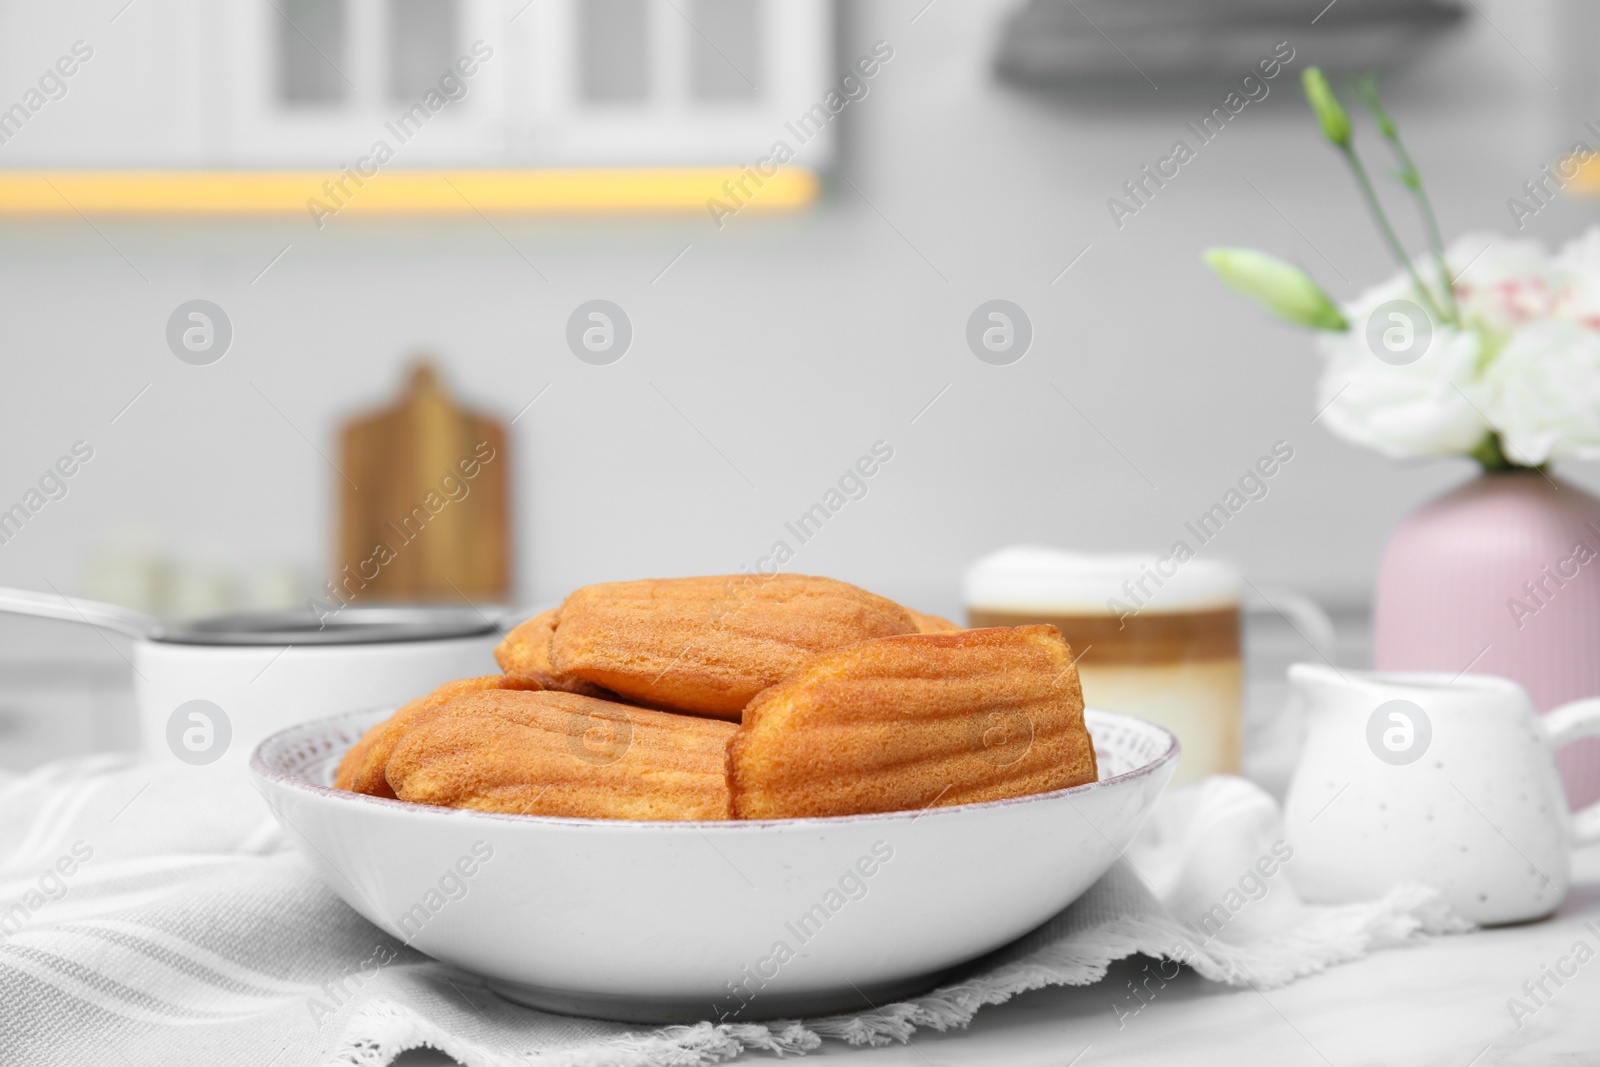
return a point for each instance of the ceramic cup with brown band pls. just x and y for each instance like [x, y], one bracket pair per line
[1156, 636]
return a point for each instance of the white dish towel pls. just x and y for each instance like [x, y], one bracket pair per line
[173, 928]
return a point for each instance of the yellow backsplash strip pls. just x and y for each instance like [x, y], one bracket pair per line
[320, 194]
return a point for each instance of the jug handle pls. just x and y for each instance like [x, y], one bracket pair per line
[1567, 724]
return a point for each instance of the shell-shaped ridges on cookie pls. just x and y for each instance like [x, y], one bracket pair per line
[550, 753]
[363, 768]
[905, 722]
[709, 645]
[525, 654]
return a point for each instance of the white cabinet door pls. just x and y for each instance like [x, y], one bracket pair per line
[679, 82]
[131, 94]
[321, 83]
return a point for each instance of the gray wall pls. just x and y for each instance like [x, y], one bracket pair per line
[793, 343]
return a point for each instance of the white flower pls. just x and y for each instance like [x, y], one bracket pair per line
[1422, 408]
[1542, 392]
[1580, 258]
[1582, 253]
[1525, 361]
[1502, 284]
[1425, 408]
[1484, 259]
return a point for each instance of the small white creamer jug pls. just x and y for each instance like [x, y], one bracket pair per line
[1449, 782]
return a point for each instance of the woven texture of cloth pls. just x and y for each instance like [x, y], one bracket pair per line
[143, 924]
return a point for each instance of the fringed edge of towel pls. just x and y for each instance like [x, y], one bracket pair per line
[1332, 935]
[380, 1031]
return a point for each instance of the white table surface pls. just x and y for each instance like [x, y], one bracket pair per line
[1441, 1002]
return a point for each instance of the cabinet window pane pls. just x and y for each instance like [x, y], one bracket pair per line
[311, 51]
[725, 62]
[424, 40]
[614, 50]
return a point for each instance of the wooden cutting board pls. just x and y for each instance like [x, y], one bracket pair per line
[424, 504]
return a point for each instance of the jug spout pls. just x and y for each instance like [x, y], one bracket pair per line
[1319, 687]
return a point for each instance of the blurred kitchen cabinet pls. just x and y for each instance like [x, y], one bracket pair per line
[677, 81]
[283, 84]
[320, 82]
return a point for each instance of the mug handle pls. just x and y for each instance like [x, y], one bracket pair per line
[1305, 615]
[1567, 724]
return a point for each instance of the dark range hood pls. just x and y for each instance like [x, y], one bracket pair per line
[1101, 43]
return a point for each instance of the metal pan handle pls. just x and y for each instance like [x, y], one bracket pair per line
[70, 609]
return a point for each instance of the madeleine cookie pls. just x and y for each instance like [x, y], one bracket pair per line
[931, 624]
[525, 654]
[549, 753]
[903, 723]
[708, 645]
[362, 768]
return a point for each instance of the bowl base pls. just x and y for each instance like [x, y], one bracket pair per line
[725, 1009]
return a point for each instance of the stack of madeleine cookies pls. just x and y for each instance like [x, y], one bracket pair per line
[738, 697]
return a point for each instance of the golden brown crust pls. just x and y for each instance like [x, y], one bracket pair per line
[902, 723]
[709, 645]
[362, 768]
[549, 753]
[525, 654]
[931, 624]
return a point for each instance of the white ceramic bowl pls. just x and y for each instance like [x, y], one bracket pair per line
[677, 921]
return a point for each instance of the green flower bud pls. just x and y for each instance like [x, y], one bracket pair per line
[1368, 88]
[1330, 115]
[1286, 291]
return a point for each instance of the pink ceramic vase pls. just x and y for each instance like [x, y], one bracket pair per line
[1501, 576]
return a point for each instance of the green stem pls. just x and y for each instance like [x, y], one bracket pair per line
[1489, 454]
[1413, 182]
[1388, 231]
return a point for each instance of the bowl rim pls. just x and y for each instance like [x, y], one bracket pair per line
[266, 775]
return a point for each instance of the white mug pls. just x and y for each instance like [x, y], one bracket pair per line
[1156, 635]
[1445, 781]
